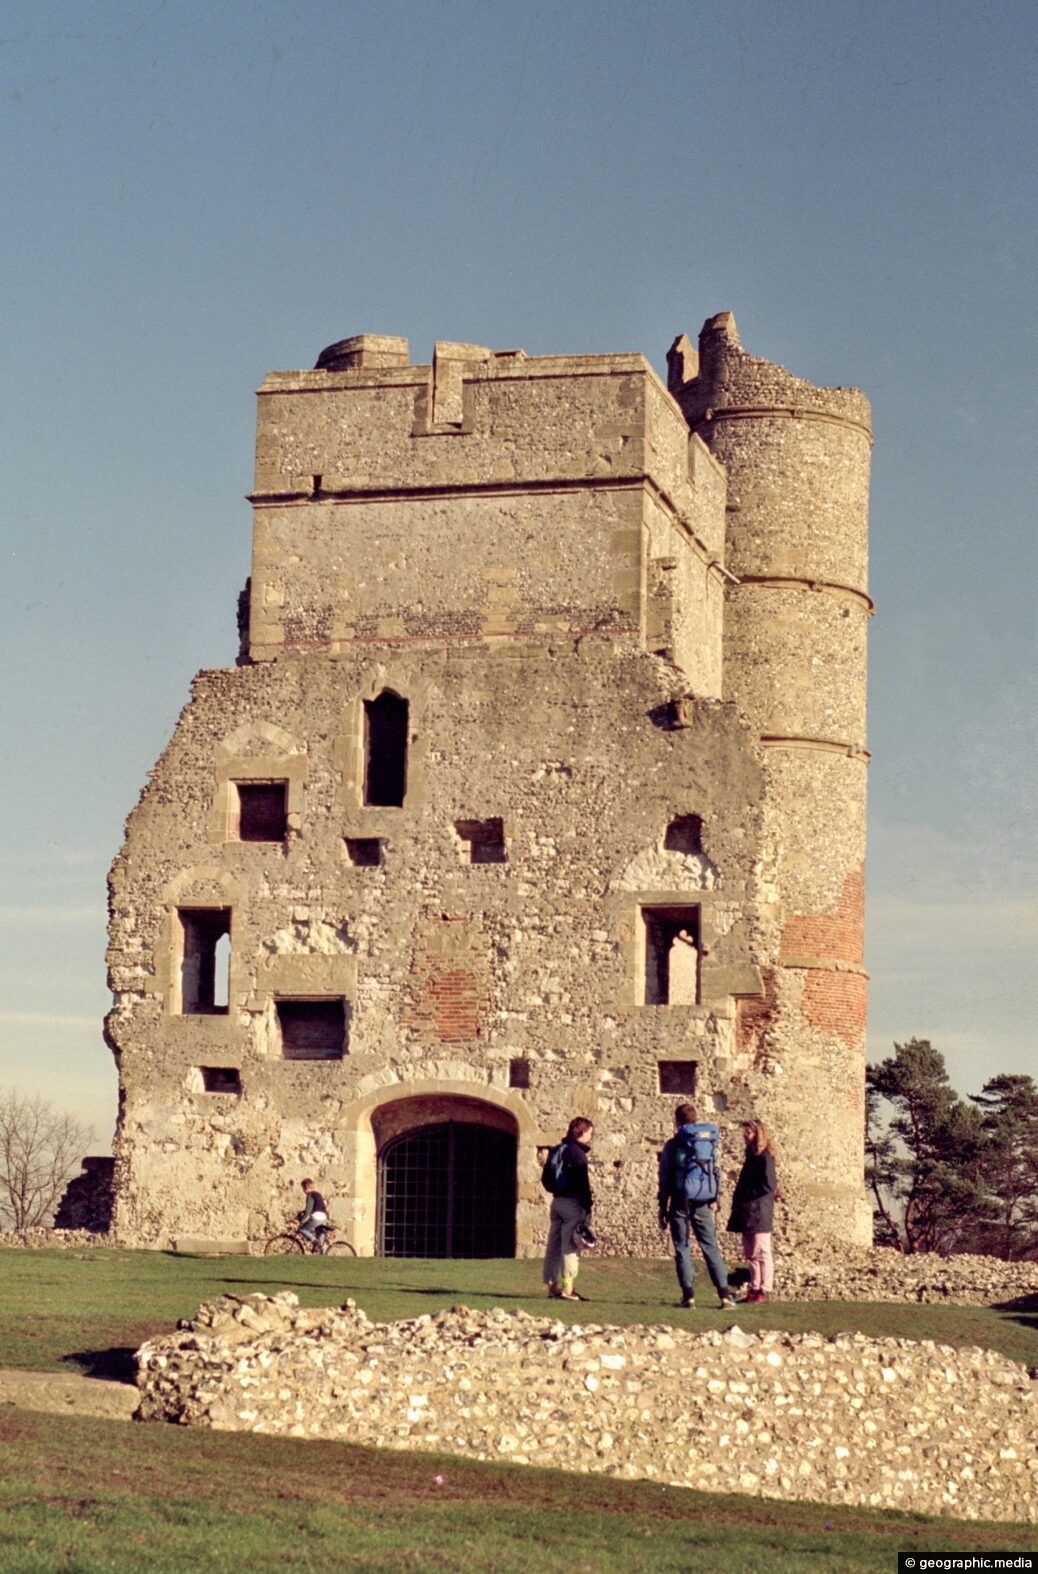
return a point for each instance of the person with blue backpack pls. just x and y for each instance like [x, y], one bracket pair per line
[689, 1180]
[565, 1175]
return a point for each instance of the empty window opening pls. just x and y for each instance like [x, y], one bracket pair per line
[484, 839]
[222, 973]
[365, 852]
[385, 750]
[518, 1073]
[677, 1076]
[671, 955]
[205, 960]
[312, 1029]
[221, 1079]
[261, 811]
[684, 835]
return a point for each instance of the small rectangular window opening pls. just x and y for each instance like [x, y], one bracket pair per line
[221, 1079]
[364, 852]
[312, 1029]
[485, 840]
[518, 1073]
[262, 811]
[677, 1076]
[205, 960]
[671, 955]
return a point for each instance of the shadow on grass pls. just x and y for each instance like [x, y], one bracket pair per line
[458, 1289]
[1023, 1309]
[235, 1286]
[116, 1365]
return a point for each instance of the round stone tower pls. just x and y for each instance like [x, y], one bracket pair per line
[797, 459]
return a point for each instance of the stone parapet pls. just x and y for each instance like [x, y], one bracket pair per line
[727, 379]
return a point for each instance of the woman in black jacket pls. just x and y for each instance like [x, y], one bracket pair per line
[570, 1211]
[753, 1208]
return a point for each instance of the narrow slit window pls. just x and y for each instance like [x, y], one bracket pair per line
[518, 1073]
[385, 750]
[222, 972]
[312, 1029]
[483, 840]
[671, 956]
[205, 960]
[259, 811]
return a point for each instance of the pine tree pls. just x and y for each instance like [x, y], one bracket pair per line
[924, 1163]
[1009, 1107]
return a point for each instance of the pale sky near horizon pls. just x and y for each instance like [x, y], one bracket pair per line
[195, 194]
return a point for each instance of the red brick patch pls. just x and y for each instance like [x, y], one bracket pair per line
[449, 981]
[836, 1003]
[832, 937]
[449, 1005]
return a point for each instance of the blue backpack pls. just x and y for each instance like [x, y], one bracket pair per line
[696, 1163]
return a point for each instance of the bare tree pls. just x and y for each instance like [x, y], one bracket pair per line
[39, 1151]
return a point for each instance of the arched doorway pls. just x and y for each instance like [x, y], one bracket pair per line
[448, 1190]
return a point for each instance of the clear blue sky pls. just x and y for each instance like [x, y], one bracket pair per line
[195, 194]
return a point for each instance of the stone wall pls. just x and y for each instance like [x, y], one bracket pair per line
[882, 1423]
[606, 740]
[87, 1200]
[796, 613]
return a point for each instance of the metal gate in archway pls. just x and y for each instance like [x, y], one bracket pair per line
[448, 1191]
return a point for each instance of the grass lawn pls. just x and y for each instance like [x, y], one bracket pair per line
[82, 1494]
[90, 1310]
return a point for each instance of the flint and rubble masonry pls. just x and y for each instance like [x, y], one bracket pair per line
[544, 665]
[884, 1423]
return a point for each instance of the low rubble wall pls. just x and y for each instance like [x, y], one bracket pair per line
[871, 1273]
[887, 1423]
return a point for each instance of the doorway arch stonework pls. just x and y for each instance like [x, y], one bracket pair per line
[387, 1112]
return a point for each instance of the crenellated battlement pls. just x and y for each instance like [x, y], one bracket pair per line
[724, 381]
[374, 405]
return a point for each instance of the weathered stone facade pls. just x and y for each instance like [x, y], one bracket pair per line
[538, 790]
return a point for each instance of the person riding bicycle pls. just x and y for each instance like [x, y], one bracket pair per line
[313, 1221]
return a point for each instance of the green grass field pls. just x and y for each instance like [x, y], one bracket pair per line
[82, 1494]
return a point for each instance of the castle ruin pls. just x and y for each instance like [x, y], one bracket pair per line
[538, 790]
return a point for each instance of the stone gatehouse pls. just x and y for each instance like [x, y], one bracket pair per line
[538, 790]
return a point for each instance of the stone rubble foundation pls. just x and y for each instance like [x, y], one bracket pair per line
[40, 1238]
[863, 1273]
[885, 1423]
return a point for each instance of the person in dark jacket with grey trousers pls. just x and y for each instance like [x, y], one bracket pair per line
[570, 1211]
[753, 1208]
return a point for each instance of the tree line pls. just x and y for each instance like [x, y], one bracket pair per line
[949, 1174]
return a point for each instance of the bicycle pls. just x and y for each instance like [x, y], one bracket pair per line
[324, 1243]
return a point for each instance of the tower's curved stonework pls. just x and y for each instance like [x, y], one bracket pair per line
[538, 790]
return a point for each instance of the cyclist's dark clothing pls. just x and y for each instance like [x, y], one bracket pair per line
[315, 1203]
